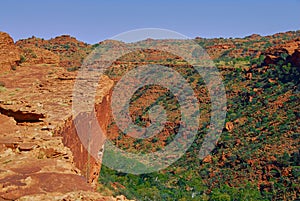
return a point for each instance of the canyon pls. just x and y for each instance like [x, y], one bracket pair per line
[43, 157]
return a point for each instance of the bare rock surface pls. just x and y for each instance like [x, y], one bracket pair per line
[9, 53]
[36, 163]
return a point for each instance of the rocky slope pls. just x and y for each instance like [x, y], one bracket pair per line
[41, 156]
[257, 157]
[69, 50]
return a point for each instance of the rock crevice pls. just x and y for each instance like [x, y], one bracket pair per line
[22, 116]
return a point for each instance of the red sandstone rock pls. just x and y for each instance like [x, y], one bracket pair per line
[207, 159]
[65, 51]
[229, 126]
[35, 55]
[291, 49]
[9, 53]
[35, 164]
[294, 59]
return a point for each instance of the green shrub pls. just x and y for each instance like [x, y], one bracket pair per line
[22, 59]
[72, 69]
[217, 196]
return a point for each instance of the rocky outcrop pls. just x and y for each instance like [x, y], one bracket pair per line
[215, 51]
[40, 156]
[66, 51]
[9, 53]
[294, 59]
[12, 55]
[288, 51]
[34, 55]
[229, 126]
[254, 37]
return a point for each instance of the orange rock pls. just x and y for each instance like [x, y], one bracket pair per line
[9, 53]
[286, 171]
[223, 157]
[290, 48]
[229, 126]
[249, 76]
[66, 51]
[250, 99]
[35, 55]
[207, 159]
[271, 80]
[238, 141]
[40, 160]
[294, 59]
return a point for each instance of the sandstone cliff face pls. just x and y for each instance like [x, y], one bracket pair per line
[9, 53]
[84, 155]
[40, 156]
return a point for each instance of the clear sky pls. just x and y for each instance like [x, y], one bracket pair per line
[93, 21]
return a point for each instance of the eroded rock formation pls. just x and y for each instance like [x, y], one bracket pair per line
[289, 51]
[9, 53]
[41, 155]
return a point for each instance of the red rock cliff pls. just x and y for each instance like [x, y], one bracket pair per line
[9, 53]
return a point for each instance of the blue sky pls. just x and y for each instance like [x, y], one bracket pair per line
[93, 21]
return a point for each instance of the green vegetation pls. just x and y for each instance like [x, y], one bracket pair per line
[22, 59]
[258, 159]
[72, 69]
[2, 88]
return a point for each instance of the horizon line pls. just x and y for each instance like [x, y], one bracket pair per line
[110, 38]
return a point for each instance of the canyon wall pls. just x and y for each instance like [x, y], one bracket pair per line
[41, 156]
[84, 160]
